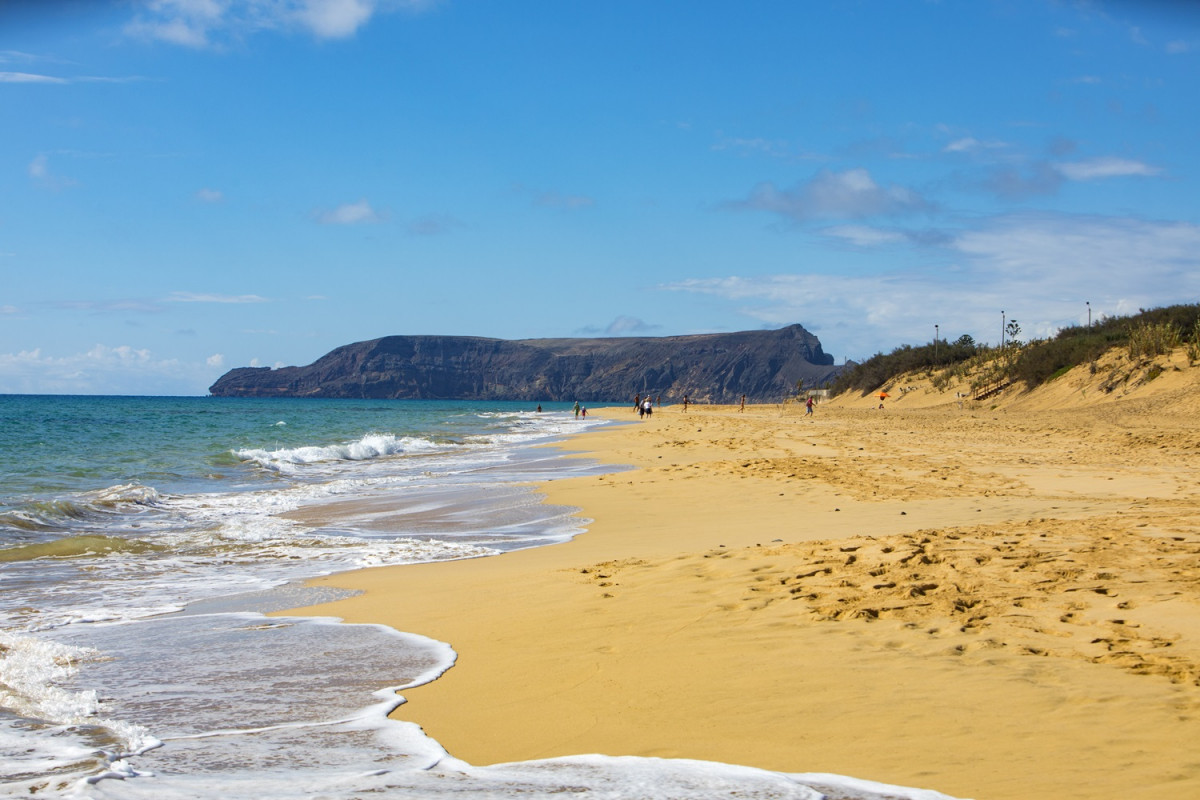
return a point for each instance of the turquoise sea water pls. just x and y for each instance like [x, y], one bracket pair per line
[142, 539]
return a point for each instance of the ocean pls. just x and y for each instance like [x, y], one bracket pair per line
[143, 539]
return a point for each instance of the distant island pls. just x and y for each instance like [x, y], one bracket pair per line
[709, 368]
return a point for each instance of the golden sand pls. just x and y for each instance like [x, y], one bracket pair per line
[995, 600]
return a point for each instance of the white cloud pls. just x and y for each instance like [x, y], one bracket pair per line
[1057, 255]
[852, 194]
[210, 196]
[865, 236]
[9, 310]
[215, 360]
[39, 171]
[1041, 269]
[37, 167]
[1108, 167]
[349, 214]
[103, 369]
[212, 23]
[122, 354]
[1179, 46]
[26, 77]
[758, 146]
[201, 297]
[335, 19]
[969, 144]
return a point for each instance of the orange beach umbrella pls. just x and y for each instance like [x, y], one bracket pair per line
[883, 395]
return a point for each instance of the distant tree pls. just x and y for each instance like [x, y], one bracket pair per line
[1014, 330]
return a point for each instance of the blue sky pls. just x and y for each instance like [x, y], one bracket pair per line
[188, 186]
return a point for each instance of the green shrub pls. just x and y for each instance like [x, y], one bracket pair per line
[1149, 339]
[1036, 362]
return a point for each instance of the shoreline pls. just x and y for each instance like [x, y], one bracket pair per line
[911, 598]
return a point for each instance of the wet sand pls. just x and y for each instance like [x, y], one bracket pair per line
[998, 600]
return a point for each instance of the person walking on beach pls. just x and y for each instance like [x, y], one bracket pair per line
[647, 406]
[808, 405]
[743, 408]
[685, 402]
[637, 403]
[576, 409]
[583, 411]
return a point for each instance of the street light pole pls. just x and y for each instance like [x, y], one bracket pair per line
[935, 343]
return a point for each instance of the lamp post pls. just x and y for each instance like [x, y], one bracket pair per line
[1002, 329]
[935, 343]
[1089, 305]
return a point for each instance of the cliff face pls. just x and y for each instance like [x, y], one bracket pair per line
[715, 368]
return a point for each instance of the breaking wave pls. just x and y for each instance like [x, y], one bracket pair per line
[373, 445]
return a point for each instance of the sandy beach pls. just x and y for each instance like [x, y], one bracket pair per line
[992, 600]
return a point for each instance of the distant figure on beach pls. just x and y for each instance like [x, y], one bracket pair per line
[647, 407]
[539, 408]
[583, 411]
[808, 405]
[743, 408]
[641, 409]
[685, 402]
[637, 403]
[576, 409]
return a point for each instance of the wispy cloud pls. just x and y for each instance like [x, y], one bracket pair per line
[349, 214]
[969, 144]
[39, 171]
[1039, 178]
[1039, 268]
[29, 77]
[1109, 167]
[103, 369]
[865, 235]
[201, 297]
[117, 306]
[852, 194]
[210, 196]
[214, 23]
[33, 77]
[760, 146]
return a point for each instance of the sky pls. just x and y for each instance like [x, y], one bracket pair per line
[189, 186]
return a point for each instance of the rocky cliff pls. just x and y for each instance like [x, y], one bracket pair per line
[714, 368]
